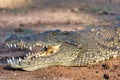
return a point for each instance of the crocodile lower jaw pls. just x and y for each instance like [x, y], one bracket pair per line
[46, 51]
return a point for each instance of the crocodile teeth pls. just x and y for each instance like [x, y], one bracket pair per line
[24, 46]
[27, 55]
[8, 45]
[24, 57]
[13, 58]
[32, 53]
[11, 45]
[14, 61]
[17, 61]
[9, 61]
[36, 56]
[30, 47]
[33, 58]
[15, 45]
[20, 59]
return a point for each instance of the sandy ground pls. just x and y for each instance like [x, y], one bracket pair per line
[66, 15]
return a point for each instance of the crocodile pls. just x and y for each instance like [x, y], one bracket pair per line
[65, 48]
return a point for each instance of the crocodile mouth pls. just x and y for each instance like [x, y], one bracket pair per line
[36, 47]
[18, 45]
[44, 50]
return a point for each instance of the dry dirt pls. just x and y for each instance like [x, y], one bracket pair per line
[66, 15]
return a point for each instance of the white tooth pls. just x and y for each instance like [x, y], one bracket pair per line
[27, 55]
[33, 58]
[8, 45]
[11, 45]
[17, 61]
[15, 45]
[13, 58]
[20, 59]
[36, 56]
[8, 61]
[32, 53]
[30, 47]
[24, 57]
[24, 46]
[35, 53]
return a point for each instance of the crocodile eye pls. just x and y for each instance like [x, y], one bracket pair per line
[54, 33]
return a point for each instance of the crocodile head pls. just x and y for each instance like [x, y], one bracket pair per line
[44, 39]
[56, 48]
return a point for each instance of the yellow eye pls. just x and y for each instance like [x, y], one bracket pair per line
[54, 33]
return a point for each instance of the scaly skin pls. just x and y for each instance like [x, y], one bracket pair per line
[80, 48]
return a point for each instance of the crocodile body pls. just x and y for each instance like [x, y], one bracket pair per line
[79, 48]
